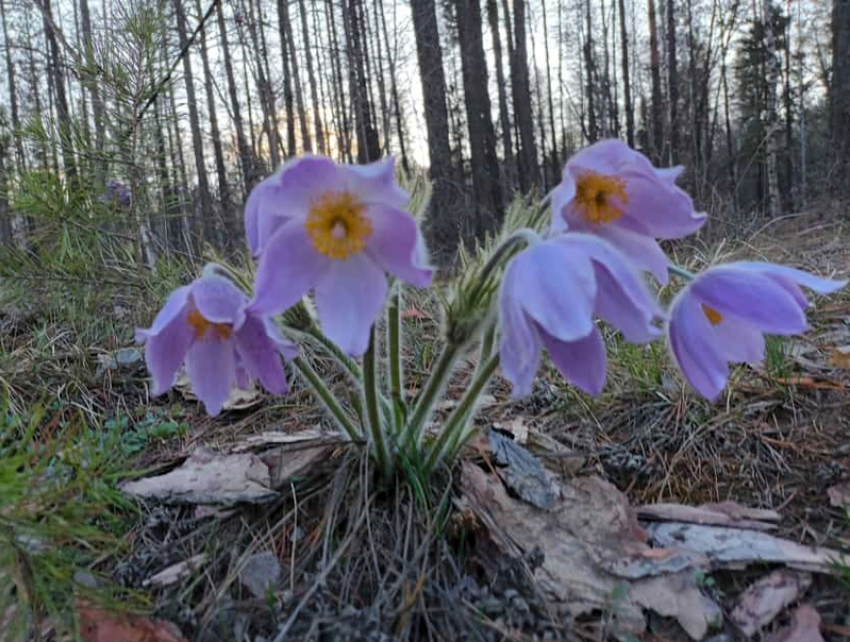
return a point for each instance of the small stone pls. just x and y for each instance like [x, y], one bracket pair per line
[261, 574]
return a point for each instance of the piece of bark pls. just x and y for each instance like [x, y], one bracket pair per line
[728, 514]
[209, 478]
[804, 627]
[761, 602]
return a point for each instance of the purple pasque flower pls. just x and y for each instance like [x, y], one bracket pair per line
[334, 229]
[205, 325]
[548, 297]
[720, 317]
[613, 191]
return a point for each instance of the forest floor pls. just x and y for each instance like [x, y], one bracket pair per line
[644, 514]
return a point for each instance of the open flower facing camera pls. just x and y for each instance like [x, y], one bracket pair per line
[342, 234]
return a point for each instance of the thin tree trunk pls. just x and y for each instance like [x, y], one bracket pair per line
[206, 213]
[529, 174]
[11, 77]
[96, 100]
[286, 24]
[673, 81]
[311, 76]
[443, 210]
[551, 102]
[504, 116]
[56, 73]
[788, 191]
[267, 97]
[246, 159]
[368, 145]
[627, 87]
[839, 90]
[221, 172]
[391, 57]
[592, 125]
[482, 137]
[655, 72]
[339, 90]
[771, 126]
[287, 52]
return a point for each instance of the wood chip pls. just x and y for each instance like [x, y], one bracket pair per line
[759, 604]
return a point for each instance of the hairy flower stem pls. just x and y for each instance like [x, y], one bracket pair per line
[394, 344]
[373, 413]
[348, 364]
[487, 343]
[425, 403]
[450, 436]
[682, 273]
[502, 252]
[327, 397]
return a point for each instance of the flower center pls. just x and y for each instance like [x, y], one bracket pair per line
[337, 226]
[594, 195]
[201, 325]
[713, 316]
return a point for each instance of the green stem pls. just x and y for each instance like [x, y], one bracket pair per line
[527, 235]
[348, 364]
[325, 395]
[394, 341]
[373, 414]
[461, 415]
[427, 398]
[682, 273]
[394, 323]
[487, 342]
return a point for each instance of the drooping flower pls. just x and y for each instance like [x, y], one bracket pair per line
[117, 193]
[548, 297]
[205, 325]
[335, 229]
[613, 191]
[720, 317]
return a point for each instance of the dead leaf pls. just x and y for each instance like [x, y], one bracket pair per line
[208, 478]
[592, 547]
[522, 472]
[517, 428]
[729, 514]
[176, 572]
[840, 357]
[734, 547]
[804, 627]
[97, 625]
[239, 399]
[759, 604]
[839, 495]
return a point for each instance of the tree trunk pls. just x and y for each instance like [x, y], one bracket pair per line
[206, 213]
[442, 208]
[771, 126]
[673, 81]
[657, 100]
[246, 158]
[286, 24]
[391, 57]
[267, 98]
[627, 88]
[368, 145]
[11, 76]
[551, 102]
[529, 174]
[504, 116]
[592, 124]
[338, 86]
[839, 90]
[90, 82]
[311, 76]
[482, 137]
[56, 74]
[221, 172]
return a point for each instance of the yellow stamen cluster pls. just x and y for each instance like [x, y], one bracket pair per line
[337, 226]
[594, 194]
[713, 316]
[201, 325]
